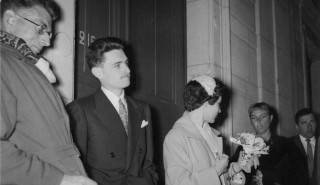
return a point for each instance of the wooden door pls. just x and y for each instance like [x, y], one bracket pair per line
[155, 30]
[157, 37]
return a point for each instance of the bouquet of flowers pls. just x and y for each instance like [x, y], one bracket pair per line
[253, 146]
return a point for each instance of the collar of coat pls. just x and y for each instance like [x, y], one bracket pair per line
[190, 128]
[21, 46]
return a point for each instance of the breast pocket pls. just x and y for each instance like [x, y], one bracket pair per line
[199, 154]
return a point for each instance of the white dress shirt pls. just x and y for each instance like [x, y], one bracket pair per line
[114, 99]
[312, 142]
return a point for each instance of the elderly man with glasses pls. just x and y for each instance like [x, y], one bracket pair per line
[36, 144]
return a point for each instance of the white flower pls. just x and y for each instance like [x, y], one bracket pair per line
[253, 146]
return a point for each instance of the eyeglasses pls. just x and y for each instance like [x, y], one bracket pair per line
[42, 28]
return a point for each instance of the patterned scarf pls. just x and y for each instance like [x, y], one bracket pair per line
[21, 46]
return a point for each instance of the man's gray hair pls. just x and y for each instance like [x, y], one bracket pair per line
[49, 5]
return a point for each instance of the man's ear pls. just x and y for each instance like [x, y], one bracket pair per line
[296, 126]
[97, 72]
[9, 18]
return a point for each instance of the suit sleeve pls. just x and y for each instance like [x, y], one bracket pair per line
[78, 126]
[236, 154]
[318, 160]
[178, 165]
[149, 166]
[17, 166]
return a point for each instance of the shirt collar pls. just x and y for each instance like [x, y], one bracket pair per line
[114, 99]
[312, 140]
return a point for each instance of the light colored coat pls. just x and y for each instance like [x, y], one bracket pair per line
[188, 160]
[36, 143]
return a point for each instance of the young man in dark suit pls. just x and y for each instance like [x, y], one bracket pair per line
[306, 143]
[113, 131]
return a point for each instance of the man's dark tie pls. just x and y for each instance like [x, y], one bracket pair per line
[123, 115]
[310, 157]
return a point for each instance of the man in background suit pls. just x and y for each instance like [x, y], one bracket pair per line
[318, 162]
[306, 143]
[113, 131]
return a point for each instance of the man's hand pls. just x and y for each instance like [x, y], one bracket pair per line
[76, 180]
[221, 163]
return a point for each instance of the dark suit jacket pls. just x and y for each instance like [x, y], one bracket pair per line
[318, 160]
[110, 156]
[297, 141]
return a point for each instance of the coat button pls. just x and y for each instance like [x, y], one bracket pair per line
[112, 155]
[140, 150]
[122, 172]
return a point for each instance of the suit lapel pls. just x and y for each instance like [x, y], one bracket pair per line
[134, 128]
[300, 146]
[110, 118]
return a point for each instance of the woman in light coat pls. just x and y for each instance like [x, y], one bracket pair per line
[192, 150]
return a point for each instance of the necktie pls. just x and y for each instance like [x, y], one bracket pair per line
[310, 157]
[123, 115]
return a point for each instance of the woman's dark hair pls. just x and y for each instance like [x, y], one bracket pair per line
[195, 95]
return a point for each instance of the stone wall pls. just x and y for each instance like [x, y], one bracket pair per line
[258, 49]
